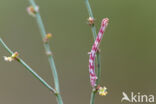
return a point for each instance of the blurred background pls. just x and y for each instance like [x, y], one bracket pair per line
[128, 51]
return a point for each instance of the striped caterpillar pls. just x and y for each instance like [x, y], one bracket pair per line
[93, 51]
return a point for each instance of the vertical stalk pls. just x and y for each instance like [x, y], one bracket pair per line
[93, 28]
[99, 67]
[92, 99]
[48, 50]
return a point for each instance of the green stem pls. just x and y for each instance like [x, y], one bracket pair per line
[94, 91]
[59, 99]
[28, 68]
[48, 50]
[92, 97]
[93, 28]
[98, 67]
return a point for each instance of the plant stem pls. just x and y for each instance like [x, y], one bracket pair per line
[28, 68]
[92, 97]
[99, 67]
[93, 28]
[48, 50]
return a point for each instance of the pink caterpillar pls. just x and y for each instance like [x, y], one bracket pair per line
[94, 49]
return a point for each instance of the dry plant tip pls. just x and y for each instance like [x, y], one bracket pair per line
[12, 57]
[47, 37]
[32, 11]
[91, 21]
[48, 53]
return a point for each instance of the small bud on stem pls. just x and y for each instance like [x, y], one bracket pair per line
[32, 11]
[91, 21]
[47, 37]
[12, 57]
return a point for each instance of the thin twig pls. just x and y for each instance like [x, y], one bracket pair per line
[48, 50]
[93, 28]
[28, 68]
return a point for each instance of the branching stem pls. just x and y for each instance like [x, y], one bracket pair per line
[28, 68]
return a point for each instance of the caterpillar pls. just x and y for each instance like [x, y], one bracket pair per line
[93, 51]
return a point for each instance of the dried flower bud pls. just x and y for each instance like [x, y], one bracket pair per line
[91, 21]
[12, 57]
[9, 59]
[47, 37]
[49, 53]
[15, 55]
[102, 91]
[32, 11]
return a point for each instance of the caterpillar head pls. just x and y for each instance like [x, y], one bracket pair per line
[105, 21]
